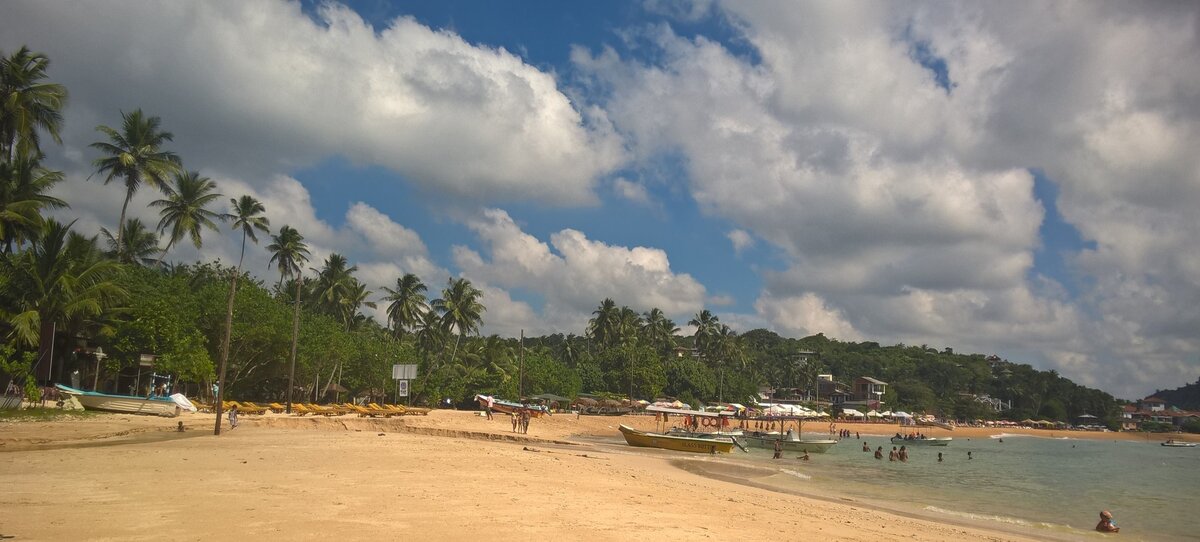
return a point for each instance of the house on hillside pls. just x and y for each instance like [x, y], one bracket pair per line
[869, 391]
[1153, 404]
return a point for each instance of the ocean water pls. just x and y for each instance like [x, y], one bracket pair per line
[1055, 487]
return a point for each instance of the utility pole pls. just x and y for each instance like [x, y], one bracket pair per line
[521, 369]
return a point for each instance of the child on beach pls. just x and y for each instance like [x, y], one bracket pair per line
[233, 417]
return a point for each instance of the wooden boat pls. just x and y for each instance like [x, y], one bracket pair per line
[509, 407]
[928, 441]
[791, 442]
[126, 404]
[678, 443]
[1173, 444]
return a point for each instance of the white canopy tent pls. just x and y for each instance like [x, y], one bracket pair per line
[852, 412]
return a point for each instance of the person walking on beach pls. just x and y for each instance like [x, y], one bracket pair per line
[879, 453]
[233, 417]
[514, 421]
[525, 423]
[778, 449]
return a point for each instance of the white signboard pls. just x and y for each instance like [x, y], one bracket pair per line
[404, 372]
[402, 388]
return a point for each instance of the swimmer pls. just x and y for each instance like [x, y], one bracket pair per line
[969, 456]
[1107, 525]
[805, 456]
[939, 457]
[866, 448]
[879, 453]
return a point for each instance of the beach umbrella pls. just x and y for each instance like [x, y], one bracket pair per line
[901, 414]
[887, 414]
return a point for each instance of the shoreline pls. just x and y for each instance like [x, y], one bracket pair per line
[597, 481]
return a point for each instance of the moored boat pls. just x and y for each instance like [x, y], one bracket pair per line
[790, 441]
[927, 441]
[510, 407]
[1172, 444]
[128, 404]
[710, 445]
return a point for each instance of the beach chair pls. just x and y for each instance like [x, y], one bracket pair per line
[277, 408]
[416, 411]
[300, 410]
[247, 407]
[324, 411]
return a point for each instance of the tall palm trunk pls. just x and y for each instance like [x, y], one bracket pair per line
[295, 337]
[121, 224]
[221, 384]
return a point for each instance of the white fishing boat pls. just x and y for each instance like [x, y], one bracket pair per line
[926, 441]
[1172, 444]
[791, 442]
[128, 404]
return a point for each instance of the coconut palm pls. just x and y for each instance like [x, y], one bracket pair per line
[706, 329]
[355, 298]
[28, 104]
[659, 331]
[185, 209]
[406, 303]
[139, 245]
[61, 276]
[247, 216]
[332, 284]
[23, 198]
[460, 309]
[135, 154]
[628, 324]
[289, 253]
[603, 326]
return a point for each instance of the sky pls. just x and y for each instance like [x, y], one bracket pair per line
[1018, 179]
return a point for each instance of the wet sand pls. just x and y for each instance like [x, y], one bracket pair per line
[447, 476]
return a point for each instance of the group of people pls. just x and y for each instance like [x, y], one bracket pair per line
[915, 436]
[520, 421]
[846, 433]
[895, 455]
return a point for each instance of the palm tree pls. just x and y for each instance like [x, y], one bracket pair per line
[659, 331]
[460, 309]
[247, 216]
[603, 326]
[139, 245]
[28, 104]
[60, 277]
[407, 303]
[628, 324]
[135, 154]
[185, 210]
[429, 333]
[332, 284]
[289, 253]
[23, 188]
[355, 298]
[706, 329]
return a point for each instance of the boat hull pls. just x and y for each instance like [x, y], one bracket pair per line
[789, 445]
[125, 404]
[1178, 444]
[942, 441]
[679, 444]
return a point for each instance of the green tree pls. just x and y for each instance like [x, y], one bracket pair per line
[59, 277]
[289, 253]
[185, 209]
[23, 197]
[659, 331]
[139, 246]
[460, 310]
[246, 216]
[28, 104]
[604, 326]
[406, 304]
[707, 326]
[135, 154]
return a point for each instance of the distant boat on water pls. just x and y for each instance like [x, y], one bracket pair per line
[1172, 444]
[791, 442]
[128, 404]
[928, 441]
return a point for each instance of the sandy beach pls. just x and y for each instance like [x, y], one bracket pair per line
[451, 475]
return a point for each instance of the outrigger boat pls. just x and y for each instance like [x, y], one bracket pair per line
[710, 445]
[510, 407]
[927, 441]
[790, 440]
[128, 404]
[1172, 444]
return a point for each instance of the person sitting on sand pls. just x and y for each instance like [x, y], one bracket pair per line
[179, 427]
[1107, 525]
[879, 453]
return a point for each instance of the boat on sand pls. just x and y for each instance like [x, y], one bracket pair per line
[128, 404]
[677, 443]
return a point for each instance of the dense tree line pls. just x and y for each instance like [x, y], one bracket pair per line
[306, 335]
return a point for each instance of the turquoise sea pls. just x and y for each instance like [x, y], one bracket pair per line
[1055, 487]
[1050, 488]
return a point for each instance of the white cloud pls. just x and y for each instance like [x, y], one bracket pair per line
[741, 239]
[256, 88]
[905, 210]
[633, 192]
[573, 273]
